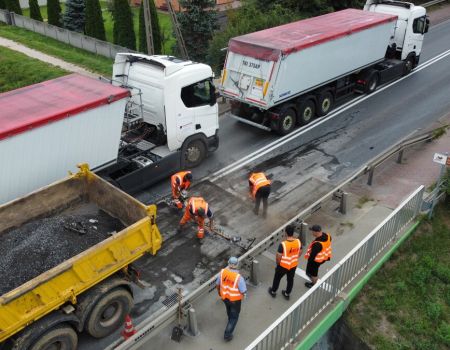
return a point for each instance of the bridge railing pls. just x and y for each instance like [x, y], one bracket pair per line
[288, 326]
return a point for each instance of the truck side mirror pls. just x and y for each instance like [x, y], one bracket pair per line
[427, 25]
[212, 97]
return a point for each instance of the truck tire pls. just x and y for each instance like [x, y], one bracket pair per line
[287, 121]
[372, 83]
[62, 337]
[409, 65]
[324, 103]
[109, 313]
[194, 153]
[306, 111]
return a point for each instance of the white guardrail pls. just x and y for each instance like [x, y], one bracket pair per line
[288, 327]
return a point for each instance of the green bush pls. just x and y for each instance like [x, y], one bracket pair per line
[94, 25]
[123, 31]
[35, 11]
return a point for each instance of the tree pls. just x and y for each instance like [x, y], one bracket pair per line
[2, 4]
[198, 22]
[94, 25]
[35, 11]
[73, 17]
[156, 31]
[13, 6]
[54, 12]
[123, 32]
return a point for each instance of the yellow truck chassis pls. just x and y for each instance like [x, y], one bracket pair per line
[64, 284]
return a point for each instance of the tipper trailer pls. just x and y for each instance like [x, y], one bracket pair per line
[285, 76]
[89, 291]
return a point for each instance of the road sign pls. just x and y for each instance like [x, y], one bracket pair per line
[440, 158]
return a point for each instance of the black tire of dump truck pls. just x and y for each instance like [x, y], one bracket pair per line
[372, 82]
[109, 313]
[409, 64]
[287, 120]
[324, 103]
[61, 338]
[306, 110]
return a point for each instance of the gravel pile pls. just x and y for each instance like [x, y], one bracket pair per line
[40, 245]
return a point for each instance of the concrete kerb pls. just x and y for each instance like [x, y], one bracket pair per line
[333, 315]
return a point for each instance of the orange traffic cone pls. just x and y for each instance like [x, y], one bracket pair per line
[129, 328]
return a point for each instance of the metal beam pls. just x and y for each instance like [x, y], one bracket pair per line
[148, 28]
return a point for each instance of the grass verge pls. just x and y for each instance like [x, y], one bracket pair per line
[95, 63]
[18, 70]
[407, 303]
[164, 22]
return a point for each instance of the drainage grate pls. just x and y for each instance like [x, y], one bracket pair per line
[170, 301]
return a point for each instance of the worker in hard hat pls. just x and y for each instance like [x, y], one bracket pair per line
[197, 209]
[232, 289]
[181, 182]
[259, 186]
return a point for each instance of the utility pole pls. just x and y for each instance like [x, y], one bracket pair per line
[176, 27]
[148, 28]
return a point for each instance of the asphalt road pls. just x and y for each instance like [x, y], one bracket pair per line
[309, 162]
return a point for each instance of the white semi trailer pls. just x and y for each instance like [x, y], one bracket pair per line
[285, 76]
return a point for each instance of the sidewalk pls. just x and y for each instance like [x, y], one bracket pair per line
[368, 206]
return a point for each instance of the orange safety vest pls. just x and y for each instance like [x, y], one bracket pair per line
[229, 285]
[291, 251]
[195, 203]
[258, 180]
[184, 185]
[324, 254]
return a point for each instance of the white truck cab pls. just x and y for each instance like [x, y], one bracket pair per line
[175, 98]
[412, 24]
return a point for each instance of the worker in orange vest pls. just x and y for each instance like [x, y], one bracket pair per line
[232, 289]
[259, 186]
[318, 252]
[196, 209]
[287, 260]
[180, 182]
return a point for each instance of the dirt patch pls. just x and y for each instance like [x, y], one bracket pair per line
[33, 248]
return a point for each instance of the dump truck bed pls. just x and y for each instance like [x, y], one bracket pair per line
[77, 232]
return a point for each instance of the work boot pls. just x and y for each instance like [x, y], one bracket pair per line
[272, 294]
[255, 211]
[285, 294]
[308, 284]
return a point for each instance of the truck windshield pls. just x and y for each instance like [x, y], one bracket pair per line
[198, 94]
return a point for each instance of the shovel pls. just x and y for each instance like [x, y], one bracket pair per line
[177, 331]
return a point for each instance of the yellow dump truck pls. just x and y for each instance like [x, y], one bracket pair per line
[65, 255]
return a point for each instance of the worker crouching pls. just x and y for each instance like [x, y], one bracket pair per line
[259, 190]
[196, 209]
[180, 182]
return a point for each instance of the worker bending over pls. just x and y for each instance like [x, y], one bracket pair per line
[181, 182]
[197, 209]
[259, 189]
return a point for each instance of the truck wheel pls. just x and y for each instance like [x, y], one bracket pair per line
[60, 338]
[194, 153]
[372, 83]
[306, 111]
[324, 103]
[409, 65]
[109, 313]
[287, 121]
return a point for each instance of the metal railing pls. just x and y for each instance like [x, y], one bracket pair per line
[288, 327]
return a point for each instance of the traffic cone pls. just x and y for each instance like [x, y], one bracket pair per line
[129, 328]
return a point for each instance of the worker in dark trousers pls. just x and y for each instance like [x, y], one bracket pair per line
[287, 260]
[259, 190]
[318, 252]
[232, 289]
[180, 183]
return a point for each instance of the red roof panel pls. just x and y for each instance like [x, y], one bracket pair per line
[39, 104]
[269, 44]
